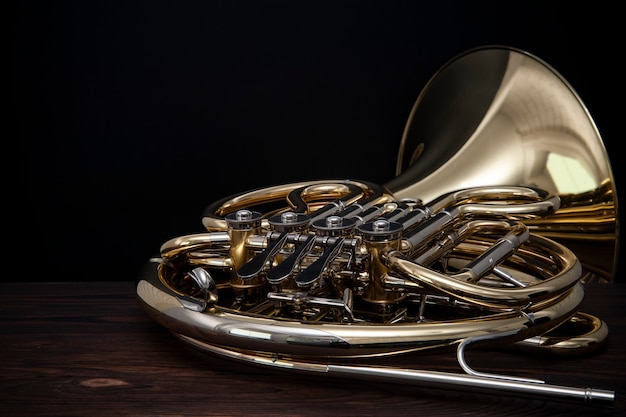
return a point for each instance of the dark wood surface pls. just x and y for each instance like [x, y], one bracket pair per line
[87, 349]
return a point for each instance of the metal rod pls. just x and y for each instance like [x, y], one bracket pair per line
[490, 385]
[434, 379]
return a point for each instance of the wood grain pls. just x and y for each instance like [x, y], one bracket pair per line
[87, 349]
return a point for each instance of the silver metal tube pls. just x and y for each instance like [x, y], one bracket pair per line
[433, 379]
[469, 382]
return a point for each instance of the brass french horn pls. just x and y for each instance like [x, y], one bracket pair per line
[503, 188]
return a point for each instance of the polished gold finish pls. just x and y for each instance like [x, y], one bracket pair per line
[325, 276]
[496, 116]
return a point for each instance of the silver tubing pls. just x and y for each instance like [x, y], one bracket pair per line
[432, 379]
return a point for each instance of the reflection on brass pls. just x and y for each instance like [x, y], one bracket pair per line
[486, 236]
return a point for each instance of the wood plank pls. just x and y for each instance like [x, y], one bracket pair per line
[87, 349]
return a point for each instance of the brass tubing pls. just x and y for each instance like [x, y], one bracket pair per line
[458, 286]
[188, 243]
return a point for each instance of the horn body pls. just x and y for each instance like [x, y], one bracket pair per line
[326, 275]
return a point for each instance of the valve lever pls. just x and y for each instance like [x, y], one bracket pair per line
[283, 270]
[314, 271]
[255, 265]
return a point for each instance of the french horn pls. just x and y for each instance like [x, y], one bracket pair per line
[484, 237]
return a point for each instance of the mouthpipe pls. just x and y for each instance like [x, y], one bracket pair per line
[430, 379]
[480, 384]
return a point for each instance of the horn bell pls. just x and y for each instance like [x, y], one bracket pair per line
[499, 115]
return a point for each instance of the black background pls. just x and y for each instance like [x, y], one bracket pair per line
[133, 116]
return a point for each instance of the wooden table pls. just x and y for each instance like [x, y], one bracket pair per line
[87, 349]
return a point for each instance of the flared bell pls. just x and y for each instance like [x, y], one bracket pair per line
[499, 115]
